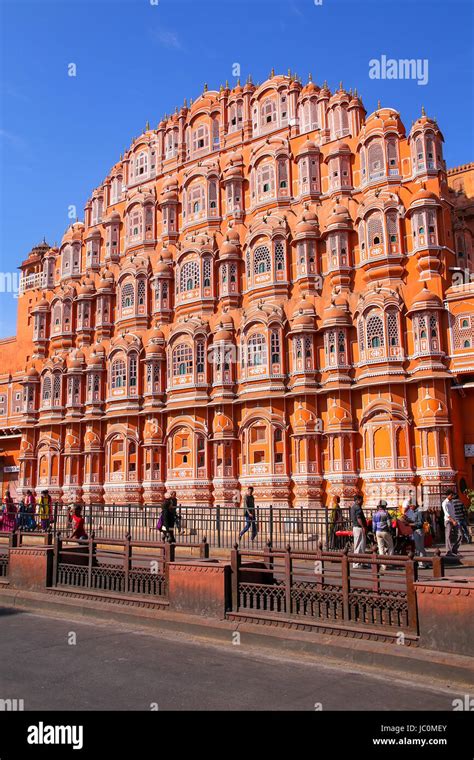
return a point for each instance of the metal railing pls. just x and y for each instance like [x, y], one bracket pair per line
[301, 527]
[336, 588]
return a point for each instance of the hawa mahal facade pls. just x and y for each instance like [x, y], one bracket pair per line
[271, 288]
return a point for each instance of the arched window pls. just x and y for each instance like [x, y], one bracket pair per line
[46, 388]
[392, 227]
[375, 229]
[374, 331]
[215, 133]
[213, 194]
[206, 271]
[128, 295]
[118, 374]
[182, 360]
[189, 276]
[266, 179]
[279, 257]
[392, 155]
[200, 356]
[57, 388]
[133, 365]
[141, 164]
[141, 292]
[261, 260]
[257, 350]
[201, 138]
[268, 113]
[376, 160]
[196, 199]
[275, 347]
[392, 329]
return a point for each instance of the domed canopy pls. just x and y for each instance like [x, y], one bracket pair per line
[423, 196]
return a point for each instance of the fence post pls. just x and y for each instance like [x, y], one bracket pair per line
[204, 548]
[235, 562]
[218, 524]
[90, 560]
[270, 517]
[57, 548]
[129, 530]
[326, 526]
[55, 516]
[90, 518]
[411, 573]
[288, 579]
[127, 561]
[346, 583]
[438, 565]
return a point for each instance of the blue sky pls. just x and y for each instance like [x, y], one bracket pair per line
[136, 60]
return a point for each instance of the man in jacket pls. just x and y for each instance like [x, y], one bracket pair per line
[359, 527]
[381, 525]
[250, 515]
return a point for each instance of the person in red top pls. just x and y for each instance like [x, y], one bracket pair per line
[78, 530]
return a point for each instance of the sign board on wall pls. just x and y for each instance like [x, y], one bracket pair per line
[469, 449]
[11, 468]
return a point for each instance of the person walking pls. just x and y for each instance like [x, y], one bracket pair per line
[78, 531]
[381, 526]
[418, 526]
[30, 509]
[460, 513]
[168, 518]
[44, 510]
[336, 523]
[359, 527]
[9, 515]
[451, 526]
[250, 514]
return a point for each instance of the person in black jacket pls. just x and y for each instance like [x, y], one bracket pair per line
[169, 518]
[250, 515]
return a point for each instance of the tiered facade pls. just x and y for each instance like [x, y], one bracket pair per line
[261, 293]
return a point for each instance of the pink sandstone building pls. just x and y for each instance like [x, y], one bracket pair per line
[272, 287]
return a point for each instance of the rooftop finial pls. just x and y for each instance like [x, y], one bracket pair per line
[227, 84]
[238, 82]
[340, 85]
[185, 104]
[272, 73]
[147, 126]
[205, 86]
[378, 103]
[310, 77]
[423, 112]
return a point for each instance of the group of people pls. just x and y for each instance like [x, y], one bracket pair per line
[413, 525]
[29, 514]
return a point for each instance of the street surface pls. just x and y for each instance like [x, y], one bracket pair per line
[115, 667]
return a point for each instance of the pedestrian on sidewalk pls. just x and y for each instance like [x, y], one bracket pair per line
[30, 510]
[250, 514]
[460, 513]
[382, 527]
[44, 510]
[9, 515]
[359, 527]
[79, 531]
[451, 526]
[336, 522]
[418, 525]
[169, 517]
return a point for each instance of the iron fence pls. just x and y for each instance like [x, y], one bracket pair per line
[301, 528]
[329, 587]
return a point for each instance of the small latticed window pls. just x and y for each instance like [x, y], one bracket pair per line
[279, 257]
[257, 350]
[118, 374]
[374, 331]
[189, 276]
[127, 295]
[275, 346]
[392, 329]
[375, 229]
[182, 360]
[133, 371]
[141, 292]
[261, 260]
[200, 354]
[207, 273]
[46, 388]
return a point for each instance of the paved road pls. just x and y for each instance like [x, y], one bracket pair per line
[115, 667]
